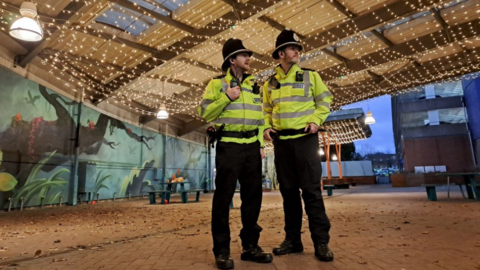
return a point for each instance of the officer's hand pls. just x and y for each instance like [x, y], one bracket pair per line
[233, 93]
[266, 134]
[262, 153]
[313, 128]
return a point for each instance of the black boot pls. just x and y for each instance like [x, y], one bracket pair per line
[223, 260]
[256, 254]
[323, 253]
[287, 247]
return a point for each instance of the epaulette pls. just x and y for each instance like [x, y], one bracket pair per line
[273, 76]
[221, 76]
[273, 82]
[307, 69]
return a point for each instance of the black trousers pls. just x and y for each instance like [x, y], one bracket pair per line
[298, 166]
[234, 162]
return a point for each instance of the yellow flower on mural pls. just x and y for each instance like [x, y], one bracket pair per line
[7, 182]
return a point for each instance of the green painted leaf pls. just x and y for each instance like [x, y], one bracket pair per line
[55, 198]
[34, 191]
[103, 186]
[25, 189]
[99, 182]
[36, 169]
[7, 182]
[53, 177]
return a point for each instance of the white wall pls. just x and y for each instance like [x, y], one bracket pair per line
[349, 168]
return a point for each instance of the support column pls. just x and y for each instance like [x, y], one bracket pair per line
[338, 148]
[326, 145]
[73, 183]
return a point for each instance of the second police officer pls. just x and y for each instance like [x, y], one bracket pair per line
[296, 102]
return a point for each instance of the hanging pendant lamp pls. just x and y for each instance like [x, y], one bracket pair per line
[163, 114]
[369, 120]
[27, 28]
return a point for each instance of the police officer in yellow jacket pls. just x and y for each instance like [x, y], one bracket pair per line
[233, 102]
[295, 103]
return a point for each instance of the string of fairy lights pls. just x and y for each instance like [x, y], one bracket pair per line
[87, 61]
[340, 132]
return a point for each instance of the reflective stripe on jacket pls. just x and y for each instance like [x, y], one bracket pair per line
[242, 114]
[291, 101]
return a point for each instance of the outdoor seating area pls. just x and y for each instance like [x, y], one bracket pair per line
[165, 194]
[372, 228]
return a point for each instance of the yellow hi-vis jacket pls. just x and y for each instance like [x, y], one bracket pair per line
[240, 115]
[295, 99]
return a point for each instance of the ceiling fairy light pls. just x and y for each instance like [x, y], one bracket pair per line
[27, 28]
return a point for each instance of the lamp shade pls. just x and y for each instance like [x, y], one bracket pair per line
[162, 114]
[26, 29]
[369, 120]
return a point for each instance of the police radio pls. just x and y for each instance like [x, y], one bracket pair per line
[233, 83]
[299, 76]
[256, 89]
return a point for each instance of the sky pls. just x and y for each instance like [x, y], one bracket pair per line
[382, 131]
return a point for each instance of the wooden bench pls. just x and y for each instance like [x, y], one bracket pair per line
[475, 188]
[432, 190]
[329, 189]
[185, 194]
[163, 194]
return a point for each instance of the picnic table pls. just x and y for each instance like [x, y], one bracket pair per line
[472, 187]
[167, 191]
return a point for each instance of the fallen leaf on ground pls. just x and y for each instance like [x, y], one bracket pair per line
[38, 252]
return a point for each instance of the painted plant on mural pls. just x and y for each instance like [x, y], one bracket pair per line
[38, 128]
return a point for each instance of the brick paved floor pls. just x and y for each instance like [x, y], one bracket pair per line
[373, 227]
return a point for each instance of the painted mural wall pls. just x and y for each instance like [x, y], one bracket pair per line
[38, 131]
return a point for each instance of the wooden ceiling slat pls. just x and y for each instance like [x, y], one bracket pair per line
[412, 47]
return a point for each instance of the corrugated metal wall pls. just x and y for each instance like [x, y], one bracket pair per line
[472, 100]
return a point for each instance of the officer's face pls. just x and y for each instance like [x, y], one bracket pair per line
[242, 61]
[291, 55]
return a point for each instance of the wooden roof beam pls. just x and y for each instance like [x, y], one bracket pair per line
[167, 20]
[389, 43]
[189, 42]
[281, 27]
[382, 38]
[426, 71]
[377, 78]
[200, 64]
[367, 22]
[341, 8]
[104, 34]
[442, 22]
[406, 49]
[271, 22]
